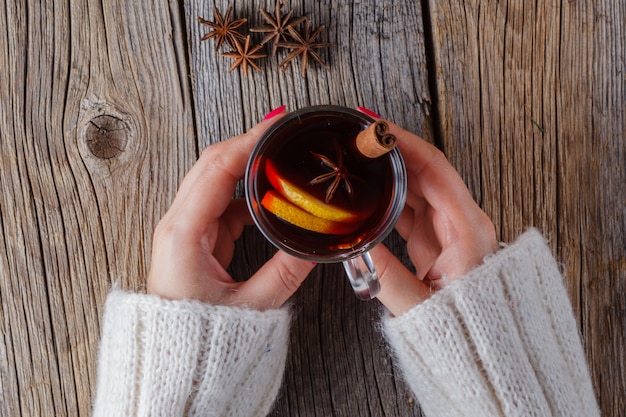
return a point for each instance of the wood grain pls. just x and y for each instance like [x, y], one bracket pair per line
[105, 105]
[531, 100]
[593, 155]
[73, 222]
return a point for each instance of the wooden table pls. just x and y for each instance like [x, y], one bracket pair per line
[106, 104]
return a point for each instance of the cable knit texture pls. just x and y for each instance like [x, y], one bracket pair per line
[174, 358]
[502, 341]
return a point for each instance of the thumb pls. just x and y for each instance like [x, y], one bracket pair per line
[400, 290]
[274, 283]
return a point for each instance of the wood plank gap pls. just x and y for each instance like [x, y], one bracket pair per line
[182, 54]
[431, 67]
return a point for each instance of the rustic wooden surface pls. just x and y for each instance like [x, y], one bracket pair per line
[106, 104]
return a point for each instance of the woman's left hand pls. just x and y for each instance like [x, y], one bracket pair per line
[194, 241]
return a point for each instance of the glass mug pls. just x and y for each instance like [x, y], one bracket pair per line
[313, 194]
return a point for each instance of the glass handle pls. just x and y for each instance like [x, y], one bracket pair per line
[362, 276]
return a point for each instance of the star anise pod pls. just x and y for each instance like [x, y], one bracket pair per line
[338, 174]
[224, 28]
[276, 27]
[304, 46]
[244, 56]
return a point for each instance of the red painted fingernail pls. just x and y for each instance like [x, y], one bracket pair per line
[274, 112]
[368, 112]
[313, 263]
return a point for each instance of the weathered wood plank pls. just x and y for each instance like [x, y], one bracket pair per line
[374, 60]
[592, 152]
[531, 100]
[338, 364]
[97, 132]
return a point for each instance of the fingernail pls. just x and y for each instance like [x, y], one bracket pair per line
[368, 112]
[313, 263]
[274, 112]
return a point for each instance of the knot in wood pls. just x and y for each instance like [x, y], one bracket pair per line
[106, 136]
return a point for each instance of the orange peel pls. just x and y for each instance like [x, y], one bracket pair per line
[307, 201]
[276, 204]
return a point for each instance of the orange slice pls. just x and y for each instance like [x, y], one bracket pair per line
[281, 207]
[307, 201]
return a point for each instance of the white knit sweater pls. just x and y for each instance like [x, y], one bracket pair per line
[502, 341]
[175, 358]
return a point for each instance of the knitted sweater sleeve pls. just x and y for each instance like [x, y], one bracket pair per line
[175, 358]
[502, 341]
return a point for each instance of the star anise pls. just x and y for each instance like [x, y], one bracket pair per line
[224, 28]
[304, 46]
[338, 174]
[276, 27]
[244, 56]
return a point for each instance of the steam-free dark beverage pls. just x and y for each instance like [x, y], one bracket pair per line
[315, 192]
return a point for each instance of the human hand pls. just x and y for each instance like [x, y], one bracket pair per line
[447, 233]
[194, 242]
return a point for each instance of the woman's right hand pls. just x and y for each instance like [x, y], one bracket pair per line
[447, 233]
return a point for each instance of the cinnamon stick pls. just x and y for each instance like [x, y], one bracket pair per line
[376, 140]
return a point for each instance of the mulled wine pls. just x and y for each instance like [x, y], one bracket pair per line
[314, 194]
